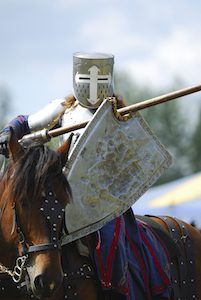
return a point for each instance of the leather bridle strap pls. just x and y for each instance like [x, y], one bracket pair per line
[44, 247]
[19, 230]
[53, 213]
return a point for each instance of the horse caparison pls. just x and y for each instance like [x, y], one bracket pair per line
[33, 196]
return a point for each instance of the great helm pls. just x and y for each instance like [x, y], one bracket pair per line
[92, 77]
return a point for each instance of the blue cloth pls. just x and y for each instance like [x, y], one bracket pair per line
[131, 261]
[19, 125]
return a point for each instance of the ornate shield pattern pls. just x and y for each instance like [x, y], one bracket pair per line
[113, 163]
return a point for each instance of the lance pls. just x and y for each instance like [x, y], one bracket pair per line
[46, 135]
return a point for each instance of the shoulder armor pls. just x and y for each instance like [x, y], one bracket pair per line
[48, 116]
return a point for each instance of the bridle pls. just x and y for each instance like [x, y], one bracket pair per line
[53, 213]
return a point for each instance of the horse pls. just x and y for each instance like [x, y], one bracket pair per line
[33, 265]
[33, 195]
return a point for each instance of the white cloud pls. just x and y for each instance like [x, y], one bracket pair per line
[111, 33]
[177, 55]
[181, 53]
[149, 39]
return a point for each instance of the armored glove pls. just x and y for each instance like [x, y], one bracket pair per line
[5, 135]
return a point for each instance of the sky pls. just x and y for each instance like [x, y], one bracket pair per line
[155, 42]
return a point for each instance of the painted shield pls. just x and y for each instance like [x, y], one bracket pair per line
[113, 163]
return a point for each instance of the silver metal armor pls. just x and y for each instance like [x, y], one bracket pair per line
[111, 165]
[92, 78]
[112, 162]
[48, 116]
[72, 116]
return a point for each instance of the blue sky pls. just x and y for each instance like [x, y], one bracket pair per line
[154, 41]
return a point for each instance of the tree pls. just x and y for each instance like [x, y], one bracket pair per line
[5, 105]
[195, 147]
[5, 101]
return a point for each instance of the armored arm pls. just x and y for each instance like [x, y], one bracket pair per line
[48, 117]
[20, 127]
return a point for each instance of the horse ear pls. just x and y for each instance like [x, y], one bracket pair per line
[15, 148]
[64, 150]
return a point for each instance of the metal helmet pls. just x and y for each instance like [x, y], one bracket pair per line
[92, 78]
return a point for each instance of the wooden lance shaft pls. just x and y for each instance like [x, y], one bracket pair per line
[133, 108]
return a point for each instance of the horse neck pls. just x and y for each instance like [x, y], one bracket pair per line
[8, 250]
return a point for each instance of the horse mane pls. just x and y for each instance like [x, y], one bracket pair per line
[32, 170]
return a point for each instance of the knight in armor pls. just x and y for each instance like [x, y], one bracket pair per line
[116, 262]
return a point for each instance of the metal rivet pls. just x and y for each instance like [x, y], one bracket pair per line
[46, 201]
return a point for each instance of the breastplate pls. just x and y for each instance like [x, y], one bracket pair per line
[75, 115]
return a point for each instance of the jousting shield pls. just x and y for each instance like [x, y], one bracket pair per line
[113, 163]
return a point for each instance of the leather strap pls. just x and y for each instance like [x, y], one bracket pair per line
[182, 267]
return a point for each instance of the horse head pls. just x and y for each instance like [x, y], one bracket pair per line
[33, 195]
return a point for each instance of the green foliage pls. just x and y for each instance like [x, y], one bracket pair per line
[196, 146]
[5, 105]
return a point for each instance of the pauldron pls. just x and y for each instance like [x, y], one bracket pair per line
[48, 116]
